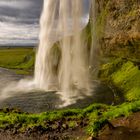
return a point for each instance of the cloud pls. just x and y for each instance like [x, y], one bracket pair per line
[19, 21]
[15, 4]
[20, 9]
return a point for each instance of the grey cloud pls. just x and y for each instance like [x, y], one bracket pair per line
[27, 14]
[19, 20]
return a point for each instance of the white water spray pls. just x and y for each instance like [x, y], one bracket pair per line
[62, 66]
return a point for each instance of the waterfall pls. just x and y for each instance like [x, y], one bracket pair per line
[66, 58]
[62, 60]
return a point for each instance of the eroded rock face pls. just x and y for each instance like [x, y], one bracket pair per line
[121, 29]
[124, 128]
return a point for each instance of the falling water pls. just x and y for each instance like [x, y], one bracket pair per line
[62, 60]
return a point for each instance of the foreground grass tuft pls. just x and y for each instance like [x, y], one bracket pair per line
[95, 116]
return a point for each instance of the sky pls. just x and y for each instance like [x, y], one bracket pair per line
[19, 21]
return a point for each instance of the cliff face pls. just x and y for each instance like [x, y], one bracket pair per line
[121, 34]
[121, 38]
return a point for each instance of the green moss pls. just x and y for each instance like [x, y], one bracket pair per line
[108, 69]
[125, 76]
[96, 126]
[94, 107]
[72, 124]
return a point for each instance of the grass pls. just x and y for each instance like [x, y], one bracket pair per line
[20, 59]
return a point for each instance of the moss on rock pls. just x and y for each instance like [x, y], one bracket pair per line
[124, 75]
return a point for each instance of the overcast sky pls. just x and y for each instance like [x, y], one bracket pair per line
[19, 21]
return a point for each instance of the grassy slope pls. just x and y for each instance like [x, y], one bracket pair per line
[21, 59]
[124, 75]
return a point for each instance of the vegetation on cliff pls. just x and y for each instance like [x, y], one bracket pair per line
[125, 76]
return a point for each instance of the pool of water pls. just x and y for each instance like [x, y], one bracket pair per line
[36, 101]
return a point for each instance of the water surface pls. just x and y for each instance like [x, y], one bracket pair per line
[40, 101]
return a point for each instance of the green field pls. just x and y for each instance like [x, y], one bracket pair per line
[19, 59]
